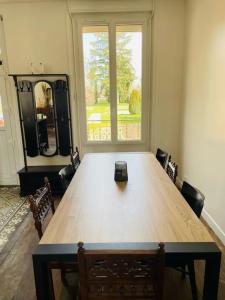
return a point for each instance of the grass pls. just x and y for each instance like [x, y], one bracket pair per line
[103, 119]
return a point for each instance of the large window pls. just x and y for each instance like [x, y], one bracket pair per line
[112, 78]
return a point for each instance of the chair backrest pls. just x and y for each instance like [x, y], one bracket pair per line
[193, 197]
[162, 157]
[40, 204]
[75, 159]
[171, 170]
[66, 175]
[121, 274]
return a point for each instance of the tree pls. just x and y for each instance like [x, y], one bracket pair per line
[135, 102]
[98, 73]
[125, 70]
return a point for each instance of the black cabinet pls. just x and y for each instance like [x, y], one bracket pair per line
[32, 178]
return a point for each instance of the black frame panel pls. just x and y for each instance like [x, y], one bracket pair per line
[70, 135]
[27, 117]
[62, 109]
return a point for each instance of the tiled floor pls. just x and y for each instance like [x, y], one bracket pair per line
[13, 209]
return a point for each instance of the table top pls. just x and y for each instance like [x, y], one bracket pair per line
[148, 208]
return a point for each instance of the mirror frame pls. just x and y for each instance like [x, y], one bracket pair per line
[54, 117]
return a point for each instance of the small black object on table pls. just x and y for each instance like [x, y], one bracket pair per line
[120, 171]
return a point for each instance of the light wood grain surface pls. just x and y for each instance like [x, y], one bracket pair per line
[149, 208]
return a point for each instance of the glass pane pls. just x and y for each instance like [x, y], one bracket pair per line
[129, 76]
[2, 121]
[45, 118]
[97, 87]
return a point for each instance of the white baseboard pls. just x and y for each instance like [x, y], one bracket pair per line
[212, 224]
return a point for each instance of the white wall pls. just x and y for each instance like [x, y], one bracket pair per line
[203, 143]
[37, 32]
[168, 47]
[41, 32]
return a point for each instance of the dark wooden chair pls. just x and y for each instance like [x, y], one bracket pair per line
[171, 170]
[162, 157]
[40, 204]
[75, 159]
[121, 274]
[66, 174]
[193, 197]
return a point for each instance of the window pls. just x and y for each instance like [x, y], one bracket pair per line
[112, 78]
[97, 85]
[128, 70]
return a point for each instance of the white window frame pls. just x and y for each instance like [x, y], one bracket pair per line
[3, 75]
[2, 45]
[3, 102]
[111, 20]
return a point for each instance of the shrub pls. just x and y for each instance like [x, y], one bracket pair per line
[135, 102]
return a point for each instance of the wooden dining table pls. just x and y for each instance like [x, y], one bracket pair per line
[139, 213]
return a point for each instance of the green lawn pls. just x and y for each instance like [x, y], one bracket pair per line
[99, 114]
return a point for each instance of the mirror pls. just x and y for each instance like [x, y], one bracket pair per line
[46, 130]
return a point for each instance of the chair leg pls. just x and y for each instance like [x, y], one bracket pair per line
[51, 285]
[63, 276]
[184, 273]
[191, 269]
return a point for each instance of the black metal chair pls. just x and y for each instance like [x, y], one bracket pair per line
[162, 157]
[66, 175]
[193, 197]
[75, 159]
[196, 201]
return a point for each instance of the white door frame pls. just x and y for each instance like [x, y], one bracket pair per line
[8, 172]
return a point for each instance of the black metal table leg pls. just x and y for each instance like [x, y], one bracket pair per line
[191, 269]
[41, 279]
[43, 256]
[212, 273]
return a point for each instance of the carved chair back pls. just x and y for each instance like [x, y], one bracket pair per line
[171, 170]
[121, 274]
[40, 204]
[75, 159]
